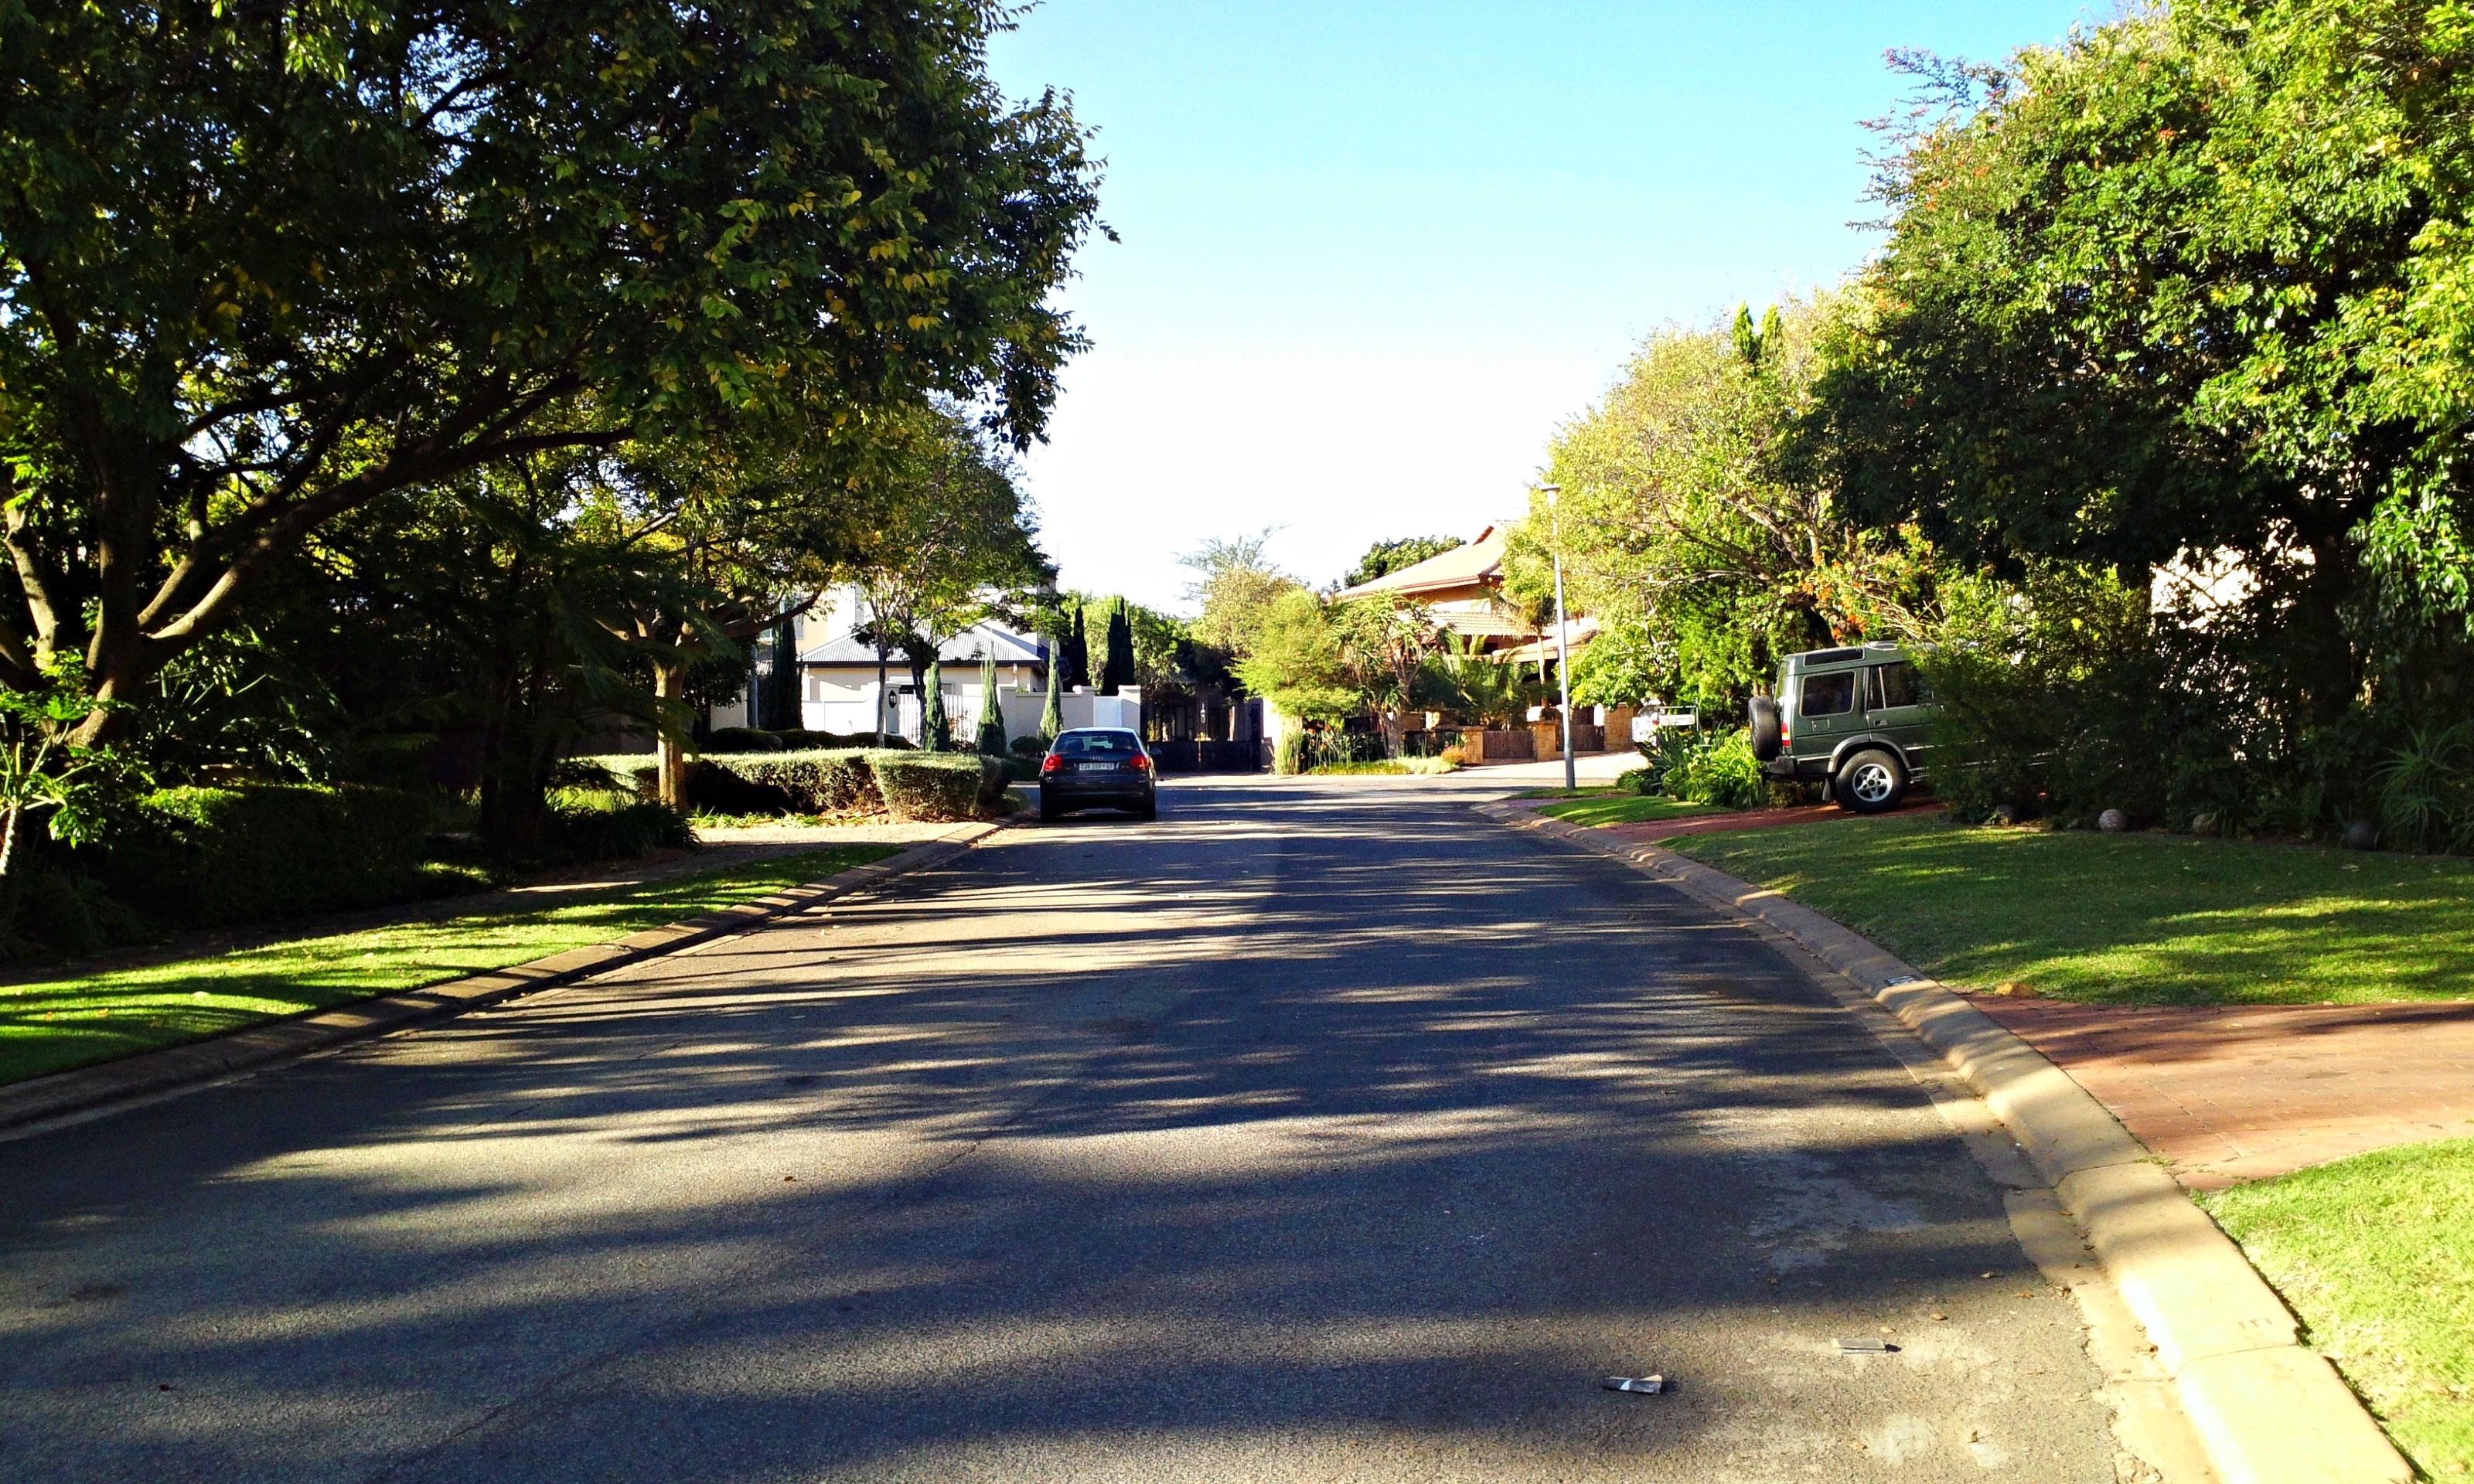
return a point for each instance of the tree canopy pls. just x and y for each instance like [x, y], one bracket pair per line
[263, 263]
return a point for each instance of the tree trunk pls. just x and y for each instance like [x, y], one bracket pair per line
[669, 759]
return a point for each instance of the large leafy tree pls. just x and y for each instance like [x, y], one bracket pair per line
[263, 263]
[1385, 557]
[951, 541]
[1235, 585]
[1683, 531]
[2197, 283]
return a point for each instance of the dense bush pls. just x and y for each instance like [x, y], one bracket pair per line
[1705, 767]
[939, 785]
[798, 739]
[215, 856]
[1290, 755]
[740, 739]
[1033, 746]
[837, 782]
[619, 832]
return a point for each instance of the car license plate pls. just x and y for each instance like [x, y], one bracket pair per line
[1095, 767]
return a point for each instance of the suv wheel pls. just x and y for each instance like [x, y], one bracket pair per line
[1873, 782]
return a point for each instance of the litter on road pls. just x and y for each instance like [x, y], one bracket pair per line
[1864, 1345]
[1651, 1384]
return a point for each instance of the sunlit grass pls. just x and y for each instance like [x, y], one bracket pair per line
[2376, 1255]
[73, 1020]
[1620, 806]
[2134, 919]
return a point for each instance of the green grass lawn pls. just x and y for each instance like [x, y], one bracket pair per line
[2376, 1253]
[2133, 919]
[70, 1021]
[1618, 807]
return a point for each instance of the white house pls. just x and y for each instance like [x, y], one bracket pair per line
[838, 679]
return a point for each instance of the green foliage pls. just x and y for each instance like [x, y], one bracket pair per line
[932, 786]
[838, 781]
[630, 830]
[935, 728]
[1289, 754]
[1051, 710]
[294, 259]
[992, 728]
[740, 739]
[1294, 661]
[221, 855]
[1237, 588]
[2426, 790]
[2052, 694]
[1705, 767]
[1484, 690]
[1706, 555]
[1384, 557]
[2194, 285]
[1117, 662]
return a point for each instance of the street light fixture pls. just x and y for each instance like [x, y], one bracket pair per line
[1562, 637]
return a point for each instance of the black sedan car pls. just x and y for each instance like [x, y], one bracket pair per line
[1098, 766]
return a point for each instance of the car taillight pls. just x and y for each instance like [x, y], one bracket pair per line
[1141, 763]
[1051, 763]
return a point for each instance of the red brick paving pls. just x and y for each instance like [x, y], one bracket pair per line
[2231, 1093]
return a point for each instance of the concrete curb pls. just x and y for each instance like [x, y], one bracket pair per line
[171, 1069]
[2266, 1410]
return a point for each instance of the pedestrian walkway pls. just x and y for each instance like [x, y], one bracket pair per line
[2233, 1093]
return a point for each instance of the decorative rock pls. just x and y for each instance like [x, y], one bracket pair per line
[2203, 824]
[2361, 835]
[2006, 814]
[2113, 821]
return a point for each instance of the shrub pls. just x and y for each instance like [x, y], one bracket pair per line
[216, 855]
[1033, 747]
[1638, 780]
[1289, 757]
[622, 832]
[798, 739]
[1705, 767]
[1455, 754]
[938, 785]
[740, 739]
[2426, 790]
[839, 781]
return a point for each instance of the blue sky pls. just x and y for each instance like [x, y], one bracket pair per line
[1375, 253]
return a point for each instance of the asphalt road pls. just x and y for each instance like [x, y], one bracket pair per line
[1323, 1130]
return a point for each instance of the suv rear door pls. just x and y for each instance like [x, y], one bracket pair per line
[1824, 710]
[1897, 706]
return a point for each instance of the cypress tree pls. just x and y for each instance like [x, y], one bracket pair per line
[935, 732]
[992, 730]
[1117, 667]
[1052, 716]
[1075, 654]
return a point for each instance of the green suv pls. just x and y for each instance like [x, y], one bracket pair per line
[1856, 719]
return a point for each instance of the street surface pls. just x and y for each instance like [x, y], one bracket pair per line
[1322, 1130]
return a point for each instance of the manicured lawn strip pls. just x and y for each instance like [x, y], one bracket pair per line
[61, 1023]
[2376, 1255]
[2127, 918]
[1621, 807]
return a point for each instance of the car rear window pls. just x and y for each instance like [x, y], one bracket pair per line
[1096, 744]
[1827, 695]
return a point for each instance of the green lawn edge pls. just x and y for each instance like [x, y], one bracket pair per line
[2129, 919]
[2376, 1257]
[1621, 808]
[80, 1019]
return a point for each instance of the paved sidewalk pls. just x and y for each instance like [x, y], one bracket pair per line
[2233, 1093]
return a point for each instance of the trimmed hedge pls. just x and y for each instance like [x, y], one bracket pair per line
[939, 785]
[740, 739]
[216, 855]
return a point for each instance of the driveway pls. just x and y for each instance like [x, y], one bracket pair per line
[1322, 1130]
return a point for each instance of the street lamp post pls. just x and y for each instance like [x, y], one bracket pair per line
[1562, 637]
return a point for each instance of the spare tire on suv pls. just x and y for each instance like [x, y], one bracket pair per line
[1766, 731]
